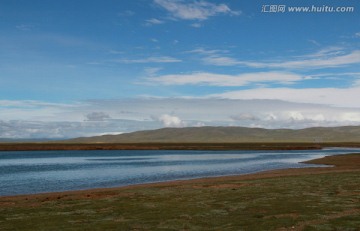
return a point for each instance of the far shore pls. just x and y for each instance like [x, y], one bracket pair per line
[48, 146]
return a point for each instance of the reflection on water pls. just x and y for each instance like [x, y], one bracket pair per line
[48, 171]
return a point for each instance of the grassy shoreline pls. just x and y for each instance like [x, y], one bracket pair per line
[292, 199]
[47, 146]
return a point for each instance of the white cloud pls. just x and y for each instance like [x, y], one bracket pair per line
[336, 61]
[196, 25]
[244, 116]
[357, 35]
[151, 71]
[155, 59]
[357, 83]
[330, 96]
[219, 60]
[314, 42]
[327, 52]
[154, 40]
[97, 116]
[58, 130]
[327, 58]
[226, 80]
[351, 75]
[203, 51]
[32, 119]
[196, 10]
[153, 21]
[171, 121]
[38, 111]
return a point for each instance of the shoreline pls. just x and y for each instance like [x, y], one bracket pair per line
[336, 164]
[57, 146]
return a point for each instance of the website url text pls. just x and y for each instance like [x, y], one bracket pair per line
[306, 9]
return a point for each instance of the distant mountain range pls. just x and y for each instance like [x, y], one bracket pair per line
[230, 135]
[14, 140]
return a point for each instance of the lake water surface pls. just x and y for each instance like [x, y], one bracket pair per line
[30, 172]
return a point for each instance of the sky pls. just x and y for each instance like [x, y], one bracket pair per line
[85, 68]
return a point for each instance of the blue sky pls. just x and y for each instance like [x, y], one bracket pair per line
[74, 66]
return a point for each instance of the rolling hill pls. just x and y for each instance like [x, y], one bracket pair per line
[230, 135]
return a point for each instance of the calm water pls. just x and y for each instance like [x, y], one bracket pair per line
[49, 171]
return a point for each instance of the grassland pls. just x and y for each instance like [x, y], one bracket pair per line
[294, 199]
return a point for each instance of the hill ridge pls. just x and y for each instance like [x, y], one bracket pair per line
[209, 134]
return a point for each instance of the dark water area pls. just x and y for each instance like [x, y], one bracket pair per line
[29, 172]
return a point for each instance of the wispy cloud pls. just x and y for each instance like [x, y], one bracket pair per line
[326, 53]
[196, 10]
[60, 130]
[36, 110]
[357, 35]
[154, 40]
[25, 27]
[314, 42]
[219, 60]
[340, 97]
[152, 71]
[203, 51]
[212, 79]
[321, 62]
[327, 58]
[97, 116]
[155, 59]
[196, 25]
[126, 13]
[153, 21]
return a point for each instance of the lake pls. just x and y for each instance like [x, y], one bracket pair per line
[29, 172]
